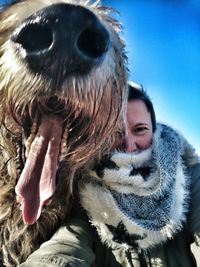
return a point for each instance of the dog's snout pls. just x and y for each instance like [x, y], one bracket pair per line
[62, 35]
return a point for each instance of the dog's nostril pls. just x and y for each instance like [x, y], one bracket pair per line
[34, 38]
[93, 43]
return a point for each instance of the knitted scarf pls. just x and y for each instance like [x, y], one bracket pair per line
[139, 200]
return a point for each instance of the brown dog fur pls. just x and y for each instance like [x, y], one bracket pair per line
[92, 106]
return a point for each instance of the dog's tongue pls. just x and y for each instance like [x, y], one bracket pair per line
[37, 182]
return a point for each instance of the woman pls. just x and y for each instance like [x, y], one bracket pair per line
[140, 204]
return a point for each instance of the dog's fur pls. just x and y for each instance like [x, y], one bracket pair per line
[92, 106]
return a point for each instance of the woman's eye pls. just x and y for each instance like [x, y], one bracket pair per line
[140, 130]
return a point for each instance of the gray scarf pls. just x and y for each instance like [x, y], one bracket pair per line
[140, 200]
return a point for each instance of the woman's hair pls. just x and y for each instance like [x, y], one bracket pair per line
[138, 93]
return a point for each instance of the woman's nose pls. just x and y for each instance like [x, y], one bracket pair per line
[129, 144]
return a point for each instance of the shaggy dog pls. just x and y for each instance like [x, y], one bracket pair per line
[62, 93]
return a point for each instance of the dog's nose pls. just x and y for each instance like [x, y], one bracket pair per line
[62, 37]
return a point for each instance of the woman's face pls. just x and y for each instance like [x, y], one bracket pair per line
[140, 130]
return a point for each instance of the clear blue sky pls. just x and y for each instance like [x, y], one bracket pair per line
[163, 47]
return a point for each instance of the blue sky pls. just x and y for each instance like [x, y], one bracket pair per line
[163, 47]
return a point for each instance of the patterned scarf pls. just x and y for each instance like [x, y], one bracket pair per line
[139, 200]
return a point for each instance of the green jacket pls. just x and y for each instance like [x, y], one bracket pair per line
[77, 244]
